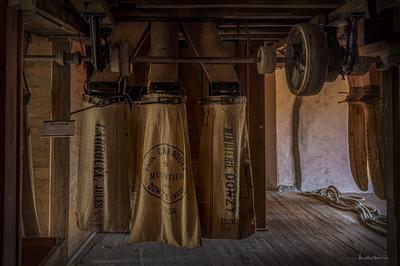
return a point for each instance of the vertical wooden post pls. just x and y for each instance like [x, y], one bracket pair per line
[253, 86]
[59, 179]
[391, 105]
[11, 31]
[271, 165]
[256, 105]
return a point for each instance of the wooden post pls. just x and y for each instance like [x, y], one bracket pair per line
[11, 30]
[253, 86]
[391, 107]
[271, 165]
[59, 179]
[256, 107]
[204, 41]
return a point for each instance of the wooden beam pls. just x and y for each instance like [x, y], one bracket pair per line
[254, 24]
[11, 32]
[252, 86]
[391, 105]
[256, 110]
[152, 14]
[204, 40]
[59, 179]
[36, 249]
[131, 12]
[252, 30]
[164, 43]
[254, 35]
[99, 7]
[271, 163]
[225, 3]
[337, 16]
[244, 38]
[54, 18]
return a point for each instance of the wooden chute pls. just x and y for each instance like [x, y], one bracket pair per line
[365, 91]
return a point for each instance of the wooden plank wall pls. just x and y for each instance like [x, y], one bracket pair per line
[391, 103]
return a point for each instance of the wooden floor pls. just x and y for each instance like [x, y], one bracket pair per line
[302, 231]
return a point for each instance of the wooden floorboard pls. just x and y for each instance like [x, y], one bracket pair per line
[302, 231]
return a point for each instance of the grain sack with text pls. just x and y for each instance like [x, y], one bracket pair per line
[166, 207]
[225, 187]
[134, 144]
[103, 185]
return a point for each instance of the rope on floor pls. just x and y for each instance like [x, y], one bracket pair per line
[370, 215]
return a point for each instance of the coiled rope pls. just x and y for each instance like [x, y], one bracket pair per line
[370, 215]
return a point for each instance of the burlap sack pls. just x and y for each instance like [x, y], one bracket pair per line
[134, 144]
[225, 186]
[103, 186]
[166, 207]
[29, 217]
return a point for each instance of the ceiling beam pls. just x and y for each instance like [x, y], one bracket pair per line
[260, 23]
[174, 4]
[99, 7]
[150, 14]
[54, 18]
[255, 35]
[250, 30]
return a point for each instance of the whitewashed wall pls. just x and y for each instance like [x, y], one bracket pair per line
[323, 140]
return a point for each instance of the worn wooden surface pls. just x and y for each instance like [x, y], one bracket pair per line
[35, 249]
[358, 145]
[271, 165]
[164, 42]
[298, 101]
[256, 102]
[38, 76]
[253, 87]
[373, 123]
[391, 103]
[59, 179]
[303, 231]
[11, 30]
[204, 41]
[78, 77]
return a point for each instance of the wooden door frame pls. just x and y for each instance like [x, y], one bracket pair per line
[391, 105]
[11, 32]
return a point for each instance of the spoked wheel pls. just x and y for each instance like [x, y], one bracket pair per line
[307, 59]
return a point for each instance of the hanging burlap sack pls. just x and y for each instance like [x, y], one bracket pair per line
[166, 207]
[103, 185]
[29, 217]
[134, 144]
[225, 187]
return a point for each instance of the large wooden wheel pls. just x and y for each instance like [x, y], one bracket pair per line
[307, 59]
